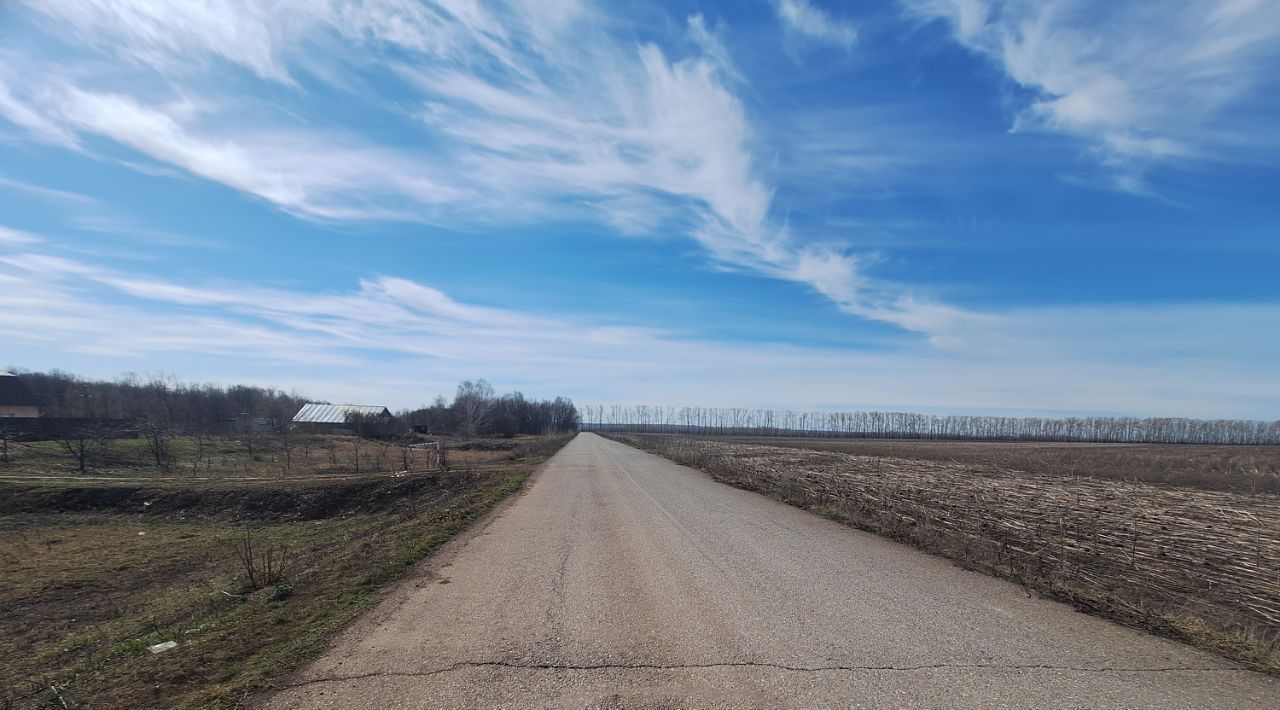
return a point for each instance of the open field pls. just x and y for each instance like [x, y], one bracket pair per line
[96, 570]
[260, 456]
[1199, 565]
[1244, 469]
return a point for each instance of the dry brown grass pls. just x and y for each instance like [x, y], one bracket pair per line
[1200, 565]
[1245, 469]
[93, 572]
[265, 456]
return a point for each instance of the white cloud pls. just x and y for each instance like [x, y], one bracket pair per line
[160, 33]
[368, 342]
[22, 114]
[46, 193]
[16, 237]
[1144, 83]
[528, 113]
[311, 173]
[815, 24]
[711, 42]
[270, 37]
[662, 127]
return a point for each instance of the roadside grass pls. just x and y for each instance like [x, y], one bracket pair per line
[85, 592]
[1197, 565]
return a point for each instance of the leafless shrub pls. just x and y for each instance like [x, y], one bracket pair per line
[9, 432]
[86, 440]
[264, 565]
[157, 436]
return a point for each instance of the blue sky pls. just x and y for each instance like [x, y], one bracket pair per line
[1053, 207]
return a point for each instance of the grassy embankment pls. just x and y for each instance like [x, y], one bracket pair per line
[95, 572]
[1195, 564]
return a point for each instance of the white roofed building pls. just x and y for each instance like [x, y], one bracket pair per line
[359, 418]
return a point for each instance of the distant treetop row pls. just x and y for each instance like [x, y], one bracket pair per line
[476, 410]
[904, 425]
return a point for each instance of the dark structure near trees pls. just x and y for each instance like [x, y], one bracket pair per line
[16, 398]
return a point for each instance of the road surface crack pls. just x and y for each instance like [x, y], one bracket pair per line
[462, 665]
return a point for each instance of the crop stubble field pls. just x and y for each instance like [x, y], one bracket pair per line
[95, 570]
[1183, 560]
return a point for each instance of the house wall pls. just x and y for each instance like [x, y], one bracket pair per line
[378, 428]
[9, 410]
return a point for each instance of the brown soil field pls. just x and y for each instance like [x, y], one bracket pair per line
[1199, 565]
[1246, 469]
[93, 572]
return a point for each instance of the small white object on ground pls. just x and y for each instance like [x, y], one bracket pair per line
[162, 647]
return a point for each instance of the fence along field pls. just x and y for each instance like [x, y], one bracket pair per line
[1199, 565]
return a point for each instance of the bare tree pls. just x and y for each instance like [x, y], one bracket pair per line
[157, 436]
[247, 431]
[908, 425]
[78, 441]
[195, 467]
[475, 404]
[287, 445]
[9, 431]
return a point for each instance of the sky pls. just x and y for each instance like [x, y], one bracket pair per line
[1045, 207]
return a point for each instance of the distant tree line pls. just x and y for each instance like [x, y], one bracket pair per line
[164, 401]
[476, 410]
[168, 404]
[85, 417]
[905, 425]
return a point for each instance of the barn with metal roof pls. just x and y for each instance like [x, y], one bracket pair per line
[362, 419]
[320, 413]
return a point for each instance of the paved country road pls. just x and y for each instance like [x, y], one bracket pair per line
[621, 580]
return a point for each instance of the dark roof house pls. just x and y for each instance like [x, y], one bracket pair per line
[16, 399]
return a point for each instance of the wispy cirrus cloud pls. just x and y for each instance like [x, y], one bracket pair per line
[22, 113]
[806, 21]
[46, 193]
[525, 112]
[276, 39]
[312, 173]
[16, 237]
[1143, 83]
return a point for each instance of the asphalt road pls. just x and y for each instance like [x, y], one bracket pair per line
[619, 579]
